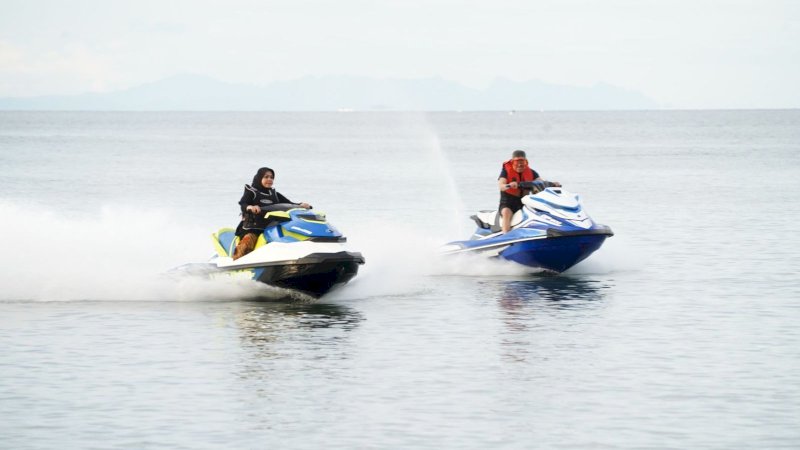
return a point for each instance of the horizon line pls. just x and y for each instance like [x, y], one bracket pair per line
[347, 110]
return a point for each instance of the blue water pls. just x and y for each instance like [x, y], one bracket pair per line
[681, 332]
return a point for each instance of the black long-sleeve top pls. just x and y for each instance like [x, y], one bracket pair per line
[257, 197]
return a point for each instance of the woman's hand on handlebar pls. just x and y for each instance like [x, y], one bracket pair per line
[255, 209]
[305, 205]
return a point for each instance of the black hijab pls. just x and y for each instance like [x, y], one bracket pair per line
[259, 175]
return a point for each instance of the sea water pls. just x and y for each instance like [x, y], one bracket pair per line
[681, 332]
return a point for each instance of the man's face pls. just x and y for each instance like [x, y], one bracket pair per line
[519, 164]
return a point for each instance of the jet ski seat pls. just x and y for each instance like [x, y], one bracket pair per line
[490, 220]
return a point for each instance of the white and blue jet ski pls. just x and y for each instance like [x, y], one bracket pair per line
[551, 232]
[298, 250]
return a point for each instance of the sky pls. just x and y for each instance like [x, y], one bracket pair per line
[681, 53]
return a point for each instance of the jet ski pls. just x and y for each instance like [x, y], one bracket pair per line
[298, 250]
[551, 232]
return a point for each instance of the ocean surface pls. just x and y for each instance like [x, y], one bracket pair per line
[681, 332]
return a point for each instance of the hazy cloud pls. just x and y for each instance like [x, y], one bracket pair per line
[686, 53]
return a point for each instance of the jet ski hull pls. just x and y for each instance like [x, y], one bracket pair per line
[314, 275]
[555, 254]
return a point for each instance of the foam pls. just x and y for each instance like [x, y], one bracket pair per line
[116, 254]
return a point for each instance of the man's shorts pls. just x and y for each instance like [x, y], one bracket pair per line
[509, 201]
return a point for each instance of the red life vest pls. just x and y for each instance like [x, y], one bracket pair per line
[513, 175]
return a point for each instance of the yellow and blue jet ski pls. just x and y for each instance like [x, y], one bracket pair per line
[298, 250]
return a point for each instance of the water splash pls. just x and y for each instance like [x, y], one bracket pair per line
[455, 204]
[118, 254]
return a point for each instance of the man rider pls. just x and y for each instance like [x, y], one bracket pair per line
[514, 171]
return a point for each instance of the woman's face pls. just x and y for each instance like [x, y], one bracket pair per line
[267, 180]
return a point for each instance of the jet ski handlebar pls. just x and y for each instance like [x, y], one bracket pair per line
[278, 207]
[537, 186]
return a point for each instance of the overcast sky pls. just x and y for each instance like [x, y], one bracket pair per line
[681, 53]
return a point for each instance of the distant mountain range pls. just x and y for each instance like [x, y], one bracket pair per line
[332, 93]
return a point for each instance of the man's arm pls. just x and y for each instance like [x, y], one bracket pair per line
[502, 183]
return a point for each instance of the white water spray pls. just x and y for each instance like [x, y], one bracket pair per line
[118, 254]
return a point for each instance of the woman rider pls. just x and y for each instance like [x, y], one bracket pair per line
[256, 196]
